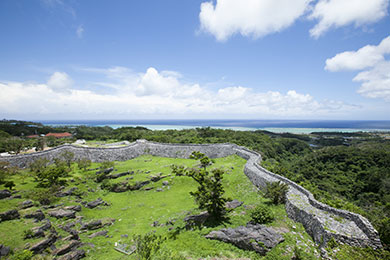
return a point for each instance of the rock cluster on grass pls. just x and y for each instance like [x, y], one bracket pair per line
[258, 238]
[27, 204]
[92, 225]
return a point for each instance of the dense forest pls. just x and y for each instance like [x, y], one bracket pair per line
[345, 170]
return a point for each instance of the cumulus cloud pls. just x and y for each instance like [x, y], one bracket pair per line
[373, 65]
[338, 13]
[249, 17]
[60, 81]
[257, 18]
[153, 93]
[365, 57]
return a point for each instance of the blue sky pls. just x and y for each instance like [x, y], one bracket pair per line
[225, 59]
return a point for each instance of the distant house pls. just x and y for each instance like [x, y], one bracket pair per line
[32, 136]
[60, 135]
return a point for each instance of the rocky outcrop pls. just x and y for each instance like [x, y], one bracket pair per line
[4, 250]
[233, 204]
[258, 238]
[92, 225]
[99, 233]
[66, 248]
[321, 221]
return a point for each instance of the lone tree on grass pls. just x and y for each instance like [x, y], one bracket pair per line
[209, 195]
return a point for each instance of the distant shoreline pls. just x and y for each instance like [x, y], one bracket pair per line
[276, 126]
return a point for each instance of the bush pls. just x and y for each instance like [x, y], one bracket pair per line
[22, 255]
[262, 214]
[276, 191]
[147, 245]
[106, 165]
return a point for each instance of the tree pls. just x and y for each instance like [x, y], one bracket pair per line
[15, 144]
[38, 165]
[276, 191]
[68, 158]
[83, 163]
[51, 175]
[209, 195]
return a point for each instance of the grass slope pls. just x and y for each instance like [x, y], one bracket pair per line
[135, 212]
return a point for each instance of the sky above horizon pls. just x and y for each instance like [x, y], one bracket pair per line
[175, 59]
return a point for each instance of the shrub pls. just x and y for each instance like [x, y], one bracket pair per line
[262, 214]
[276, 191]
[106, 165]
[22, 255]
[9, 184]
[147, 245]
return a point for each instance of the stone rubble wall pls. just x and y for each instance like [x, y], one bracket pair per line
[317, 218]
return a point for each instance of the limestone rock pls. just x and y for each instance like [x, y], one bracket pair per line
[99, 233]
[196, 220]
[27, 204]
[74, 208]
[233, 204]
[67, 193]
[38, 215]
[42, 245]
[94, 204]
[61, 213]
[94, 224]
[67, 248]
[9, 215]
[258, 238]
[4, 250]
[5, 194]
[74, 255]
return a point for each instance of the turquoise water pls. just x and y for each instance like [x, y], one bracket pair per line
[276, 126]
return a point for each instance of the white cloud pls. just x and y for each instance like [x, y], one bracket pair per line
[363, 58]
[376, 81]
[249, 17]
[155, 93]
[80, 31]
[257, 18]
[375, 76]
[338, 13]
[60, 81]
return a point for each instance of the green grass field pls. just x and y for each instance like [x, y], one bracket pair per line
[136, 211]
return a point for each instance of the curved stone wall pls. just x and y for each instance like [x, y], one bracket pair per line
[321, 221]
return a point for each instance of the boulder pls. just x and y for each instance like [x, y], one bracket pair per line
[117, 175]
[258, 238]
[196, 220]
[74, 255]
[165, 183]
[62, 213]
[233, 204]
[9, 215]
[27, 204]
[73, 207]
[43, 244]
[94, 204]
[94, 224]
[4, 250]
[67, 248]
[5, 194]
[99, 233]
[67, 193]
[38, 215]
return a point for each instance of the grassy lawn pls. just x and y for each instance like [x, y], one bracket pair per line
[135, 212]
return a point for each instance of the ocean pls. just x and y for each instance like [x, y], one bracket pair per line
[277, 126]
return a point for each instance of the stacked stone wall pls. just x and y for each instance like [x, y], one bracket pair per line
[259, 176]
